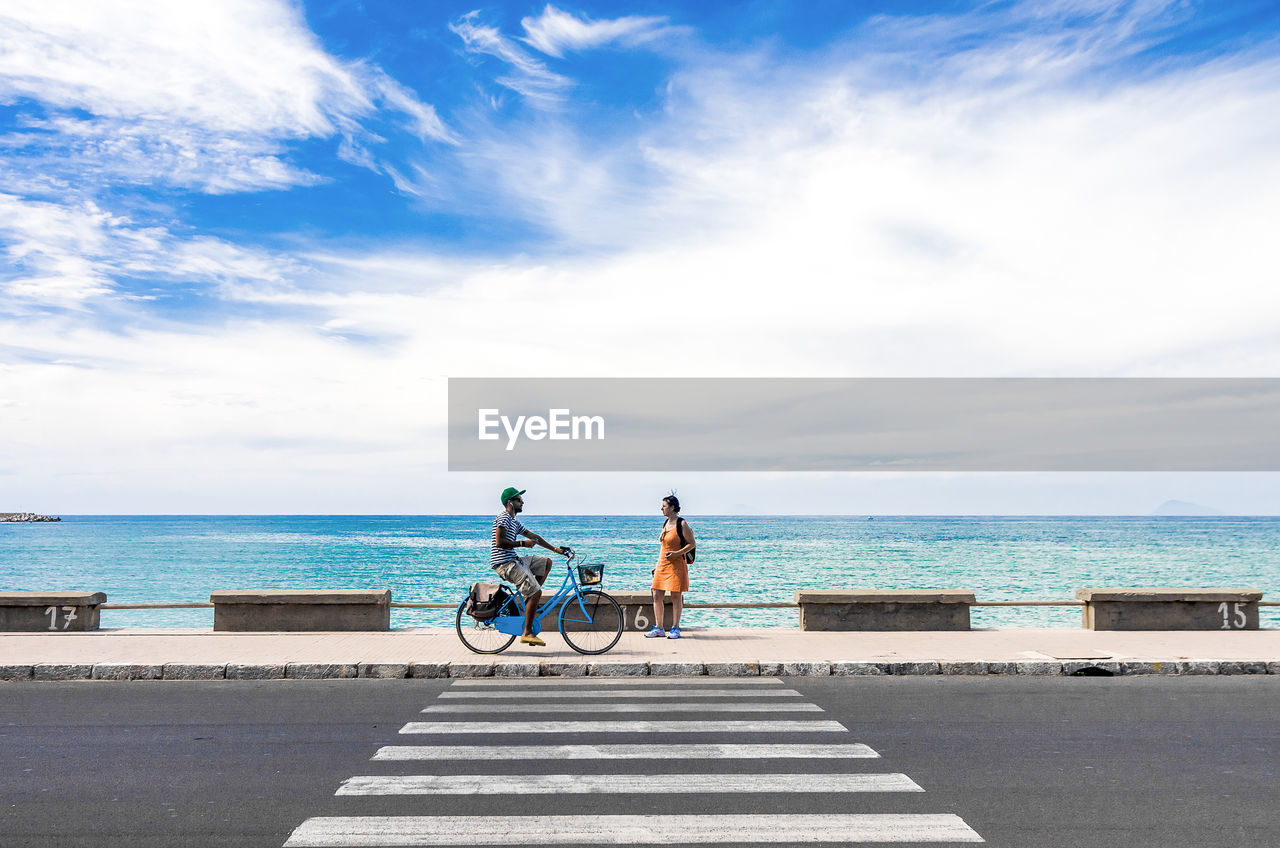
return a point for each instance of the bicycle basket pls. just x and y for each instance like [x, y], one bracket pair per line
[591, 573]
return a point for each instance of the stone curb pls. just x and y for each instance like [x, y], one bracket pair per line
[471, 669]
[383, 671]
[17, 672]
[63, 671]
[117, 671]
[429, 670]
[194, 671]
[632, 669]
[239, 671]
[321, 671]
[127, 671]
[517, 669]
[676, 669]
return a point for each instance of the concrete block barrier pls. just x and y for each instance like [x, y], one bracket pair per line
[885, 609]
[1170, 609]
[563, 669]
[637, 610]
[273, 610]
[50, 612]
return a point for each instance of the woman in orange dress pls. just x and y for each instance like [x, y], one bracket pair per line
[672, 573]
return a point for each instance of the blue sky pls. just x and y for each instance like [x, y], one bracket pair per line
[242, 245]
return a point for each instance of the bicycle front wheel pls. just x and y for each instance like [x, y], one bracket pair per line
[481, 636]
[592, 625]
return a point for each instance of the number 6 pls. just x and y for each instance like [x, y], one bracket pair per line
[642, 622]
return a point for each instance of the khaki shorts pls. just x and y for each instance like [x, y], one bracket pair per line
[524, 573]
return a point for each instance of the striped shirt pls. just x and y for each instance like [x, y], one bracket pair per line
[511, 530]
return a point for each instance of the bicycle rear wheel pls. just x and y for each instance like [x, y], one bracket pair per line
[481, 636]
[592, 627]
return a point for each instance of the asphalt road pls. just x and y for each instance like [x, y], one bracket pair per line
[1023, 762]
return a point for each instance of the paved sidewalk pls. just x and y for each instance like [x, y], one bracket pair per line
[204, 654]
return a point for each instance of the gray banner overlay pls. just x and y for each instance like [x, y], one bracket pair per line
[876, 424]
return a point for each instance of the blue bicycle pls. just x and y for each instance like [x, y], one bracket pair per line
[589, 620]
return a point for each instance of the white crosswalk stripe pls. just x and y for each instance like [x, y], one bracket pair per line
[604, 726]
[568, 683]
[620, 784]
[665, 692]
[531, 708]
[676, 707]
[649, 751]
[326, 832]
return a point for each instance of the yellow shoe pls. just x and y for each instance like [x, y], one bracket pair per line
[533, 640]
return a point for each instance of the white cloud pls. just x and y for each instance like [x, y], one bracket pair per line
[148, 151]
[207, 95]
[555, 31]
[66, 255]
[815, 217]
[532, 78]
[232, 66]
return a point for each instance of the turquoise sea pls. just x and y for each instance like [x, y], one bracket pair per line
[155, 559]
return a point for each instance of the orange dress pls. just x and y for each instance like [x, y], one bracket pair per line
[671, 575]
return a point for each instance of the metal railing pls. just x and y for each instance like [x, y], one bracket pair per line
[689, 605]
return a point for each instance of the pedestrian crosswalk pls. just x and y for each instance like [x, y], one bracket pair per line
[496, 764]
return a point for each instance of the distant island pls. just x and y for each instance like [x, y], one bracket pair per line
[26, 516]
[1185, 508]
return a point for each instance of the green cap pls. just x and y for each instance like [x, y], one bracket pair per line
[510, 492]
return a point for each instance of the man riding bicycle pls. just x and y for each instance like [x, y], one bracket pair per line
[527, 573]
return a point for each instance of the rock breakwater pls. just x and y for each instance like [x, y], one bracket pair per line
[26, 516]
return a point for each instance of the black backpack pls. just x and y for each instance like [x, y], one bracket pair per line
[485, 601]
[693, 554]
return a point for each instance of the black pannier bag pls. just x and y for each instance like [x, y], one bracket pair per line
[486, 600]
